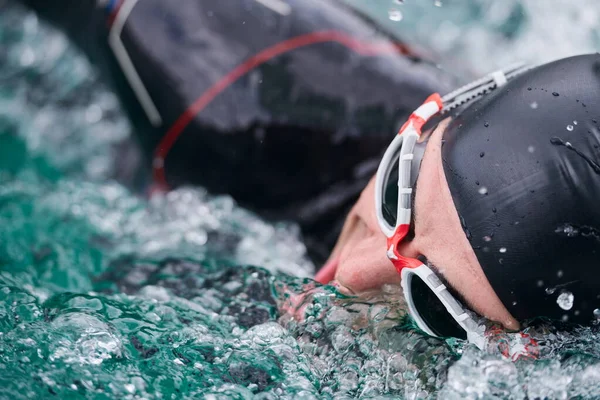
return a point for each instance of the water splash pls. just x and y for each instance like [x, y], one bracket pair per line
[106, 295]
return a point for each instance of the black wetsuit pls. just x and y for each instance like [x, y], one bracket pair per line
[287, 105]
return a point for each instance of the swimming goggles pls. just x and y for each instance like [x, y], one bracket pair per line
[436, 311]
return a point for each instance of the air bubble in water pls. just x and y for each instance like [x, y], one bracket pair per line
[483, 190]
[534, 105]
[395, 15]
[27, 57]
[569, 128]
[565, 300]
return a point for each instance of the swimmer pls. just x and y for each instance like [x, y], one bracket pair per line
[496, 209]
[287, 109]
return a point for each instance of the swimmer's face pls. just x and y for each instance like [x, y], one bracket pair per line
[360, 252]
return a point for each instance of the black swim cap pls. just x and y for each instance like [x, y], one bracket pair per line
[523, 168]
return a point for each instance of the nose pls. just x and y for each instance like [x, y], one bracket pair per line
[364, 266]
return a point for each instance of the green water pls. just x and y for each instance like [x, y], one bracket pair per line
[104, 294]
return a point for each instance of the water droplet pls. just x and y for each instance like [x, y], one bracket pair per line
[399, 2]
[531, 149]
[437, 3]
[487, 238]
[555, 94]
[550, 290]
[569, 128]
[501, 261]
[597, 313]
[569, 230]
[395, 15]
[494, 210]
[482, 154]
[565, 300]
[514, 303]
[530, 89]
[560, 273]
[502, 250]
[540, 283]
[483, 190]
[534, 105]
[565, 318]
[574, 122]
[486, 124]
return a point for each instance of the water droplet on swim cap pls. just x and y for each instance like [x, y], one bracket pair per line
[437, 3]
[531, 149]
[534, 105]
[487, 238]
[555, 94]
[483, 190]
[482, 154]
[569, 128]
[574, 122]
[560, 273]
[550, 290]
[597, 313]
[502, 250]
[486, 124]
[395, 15]
[565, 300]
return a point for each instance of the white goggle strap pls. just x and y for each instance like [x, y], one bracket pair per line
[475, 332]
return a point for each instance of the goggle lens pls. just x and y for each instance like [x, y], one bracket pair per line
[390, 196]
[432, 310]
